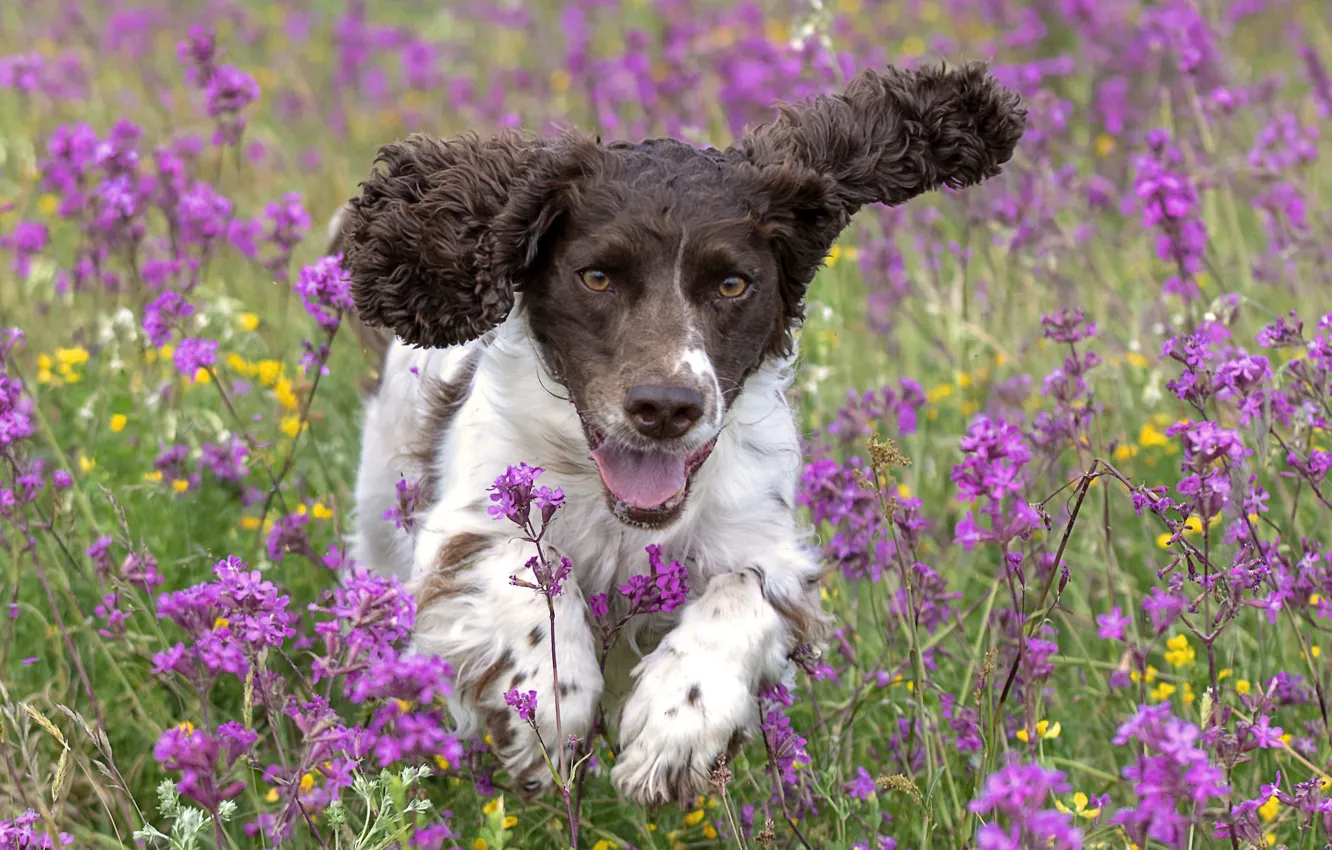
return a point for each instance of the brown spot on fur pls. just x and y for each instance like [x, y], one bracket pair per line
[500, 725]
[457, 552]
[491, 675]
[535, 637]
[694, 693]
[443, 399]
[518, 679]
[736, 742]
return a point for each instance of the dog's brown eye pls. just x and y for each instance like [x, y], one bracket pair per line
[597, 281]
[733, 287]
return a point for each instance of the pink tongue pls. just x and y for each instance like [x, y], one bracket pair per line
[640, 479]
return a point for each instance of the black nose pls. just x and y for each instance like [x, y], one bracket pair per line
[663, 412]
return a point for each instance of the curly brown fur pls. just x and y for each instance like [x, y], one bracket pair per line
[417, 243]
[886, 138]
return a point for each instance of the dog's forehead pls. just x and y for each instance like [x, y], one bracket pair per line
[664, 192]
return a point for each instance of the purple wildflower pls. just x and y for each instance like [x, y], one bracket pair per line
[325, 290]
[524, 704]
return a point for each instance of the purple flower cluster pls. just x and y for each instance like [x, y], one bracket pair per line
[1170, 205]
[24, 832]
[664, 588]
[228, 621]
[203, 759]
[1017, 794]
[325, 290]
[15, 407]
[1173, 779]
[515, 493]
[523, 704]
[994, 459]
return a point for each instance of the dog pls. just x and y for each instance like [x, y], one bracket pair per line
[623, 316]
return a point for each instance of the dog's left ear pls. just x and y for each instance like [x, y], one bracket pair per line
[887, 138]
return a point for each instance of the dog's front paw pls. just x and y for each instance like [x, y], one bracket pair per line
[682, 714]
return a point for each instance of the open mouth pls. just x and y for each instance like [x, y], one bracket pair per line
[646, 488]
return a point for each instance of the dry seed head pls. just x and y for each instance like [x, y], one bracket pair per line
[885, 456]
[899, 782]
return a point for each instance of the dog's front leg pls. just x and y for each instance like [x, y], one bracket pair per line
[695, 697]
[498, 638]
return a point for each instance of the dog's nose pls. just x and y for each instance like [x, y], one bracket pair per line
[663, 412]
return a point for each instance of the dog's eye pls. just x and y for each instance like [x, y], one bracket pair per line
[733, 287]
[597, 281]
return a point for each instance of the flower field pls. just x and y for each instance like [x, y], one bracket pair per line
[1069, 432]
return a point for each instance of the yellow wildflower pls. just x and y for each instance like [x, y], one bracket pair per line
[307, 783]
[1044, 729]
[153, 477]
[1105, 145]
[1161, 692]
[118, 421]
[86, 464]
[291, 425]
[709, 831]
[1268, 810]
[180, 485]
[603, 844]
[1133, 358]
[285, 396]
[268, 371]
[272, 795]
[247, 321]
[940, 392]
[71, 356]
[1224, 674]
[1080, 801]
[1325, 783]
[442, 763]
[249, 523]
[44, 364]
[319, 511]
[480, 844]
[1242, 686]
[221, 623]
[47, 203]
[491, 807]
[693, 818]
[202, 376]
[913, 45]
[1315, 650]
[187, 727]
[1135, 676]
[403, 705]
[1179, 653]
[1315, 599]
[510, 822]
[239, 364]
[1148, 436]
[1124, 451]
[904, 491]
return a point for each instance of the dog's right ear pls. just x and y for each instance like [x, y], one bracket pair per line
[416, 242]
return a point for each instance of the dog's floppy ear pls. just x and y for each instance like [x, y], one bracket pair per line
[888, 137]
[417, 241]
